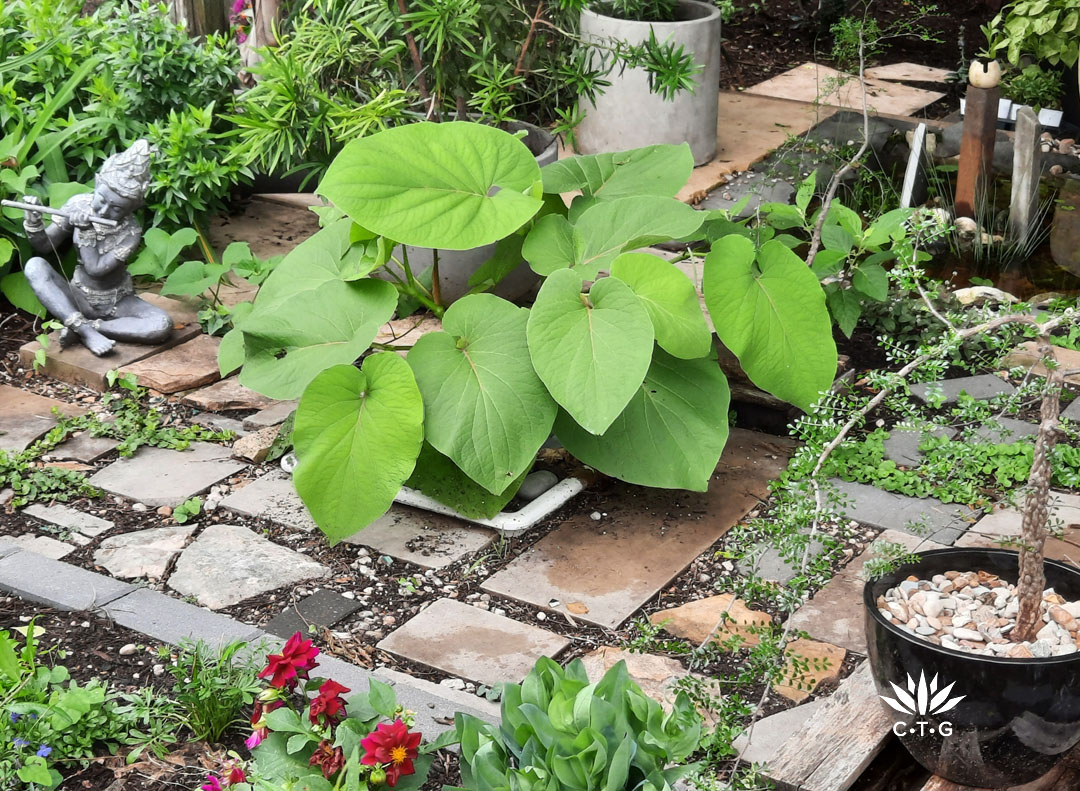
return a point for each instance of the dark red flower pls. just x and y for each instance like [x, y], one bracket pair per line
[236, 775]
[328, 705]
[294, 661]
[328, 758]
[391, 745]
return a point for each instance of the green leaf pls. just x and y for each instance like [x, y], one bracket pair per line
[236, 253]
[871, 280]
[772, 316]
[298, 741]
[806, 192]
[382, 696]
[451, 185]
[607, 229]
[828, 263]
[837, 238]
[18, 292]
[438, 477]
[845, 307]
[357, 435]
[285, 720]
[231, 348]
[35, 771]
[485, 407]
[63, 191]
[161, 249]
[506, 259]
[592, 353]
[670, 435]
[288, 345]
[316, 260]
[192, 278]
[653, 170]
[672, 303]
[889, 226]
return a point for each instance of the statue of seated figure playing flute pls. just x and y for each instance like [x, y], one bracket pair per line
[98, 306]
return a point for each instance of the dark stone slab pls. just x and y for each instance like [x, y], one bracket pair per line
[944, 523]
[981, 388]
[1009, 431]
[324, 608]
[902, 445]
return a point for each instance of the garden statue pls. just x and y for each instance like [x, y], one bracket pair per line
[98, 304]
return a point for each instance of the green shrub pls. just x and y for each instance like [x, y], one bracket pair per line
[213, 687]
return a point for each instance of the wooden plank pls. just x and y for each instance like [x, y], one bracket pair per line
[838, 742]
[1063, 777]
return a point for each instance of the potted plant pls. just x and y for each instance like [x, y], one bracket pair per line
[988, 692]
[1034, 87]
[630, 111]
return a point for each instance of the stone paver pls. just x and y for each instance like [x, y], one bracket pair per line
[69, 518]
[982, 387]
[229, 563]
[271, 497]
[902, 445]
[83, 447]
[220, 423]
[225, 395]
[271, 416]
[160, 476]
[168, 619]
[938, 521]
[811, 81]
[773, 732]
[324, 608]
[428, 540]
[695, 620]
[187, 365]
[758, 187]
[609, 568]
[25, 417]
[41, 545]
[769, 563]
[55, 583]
[1001, 527]
[269, 228]
[77, 365]
[142, 553]
[809, 665]
[1010, 431]
[1072, 411]
[472, 643]
[835, 613]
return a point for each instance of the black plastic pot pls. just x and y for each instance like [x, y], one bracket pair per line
[1018, 717]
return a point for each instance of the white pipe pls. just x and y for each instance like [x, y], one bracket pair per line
[509, 524]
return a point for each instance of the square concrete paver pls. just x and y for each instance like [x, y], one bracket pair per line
[187, 365]
[273, 415]
[69, 518]
[25, 417]
[77, 365]
[925, 516]
[902, 445]
[472, 643]
[812, 81]
[605, 570]
[160, 476]
[272, 497]
[324, 608]
[41, 545]
[428, 540]
[83, 447]
[982, 388]
[1008, 431]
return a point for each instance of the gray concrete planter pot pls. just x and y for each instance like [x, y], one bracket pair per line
[457, 266]
[627, 115]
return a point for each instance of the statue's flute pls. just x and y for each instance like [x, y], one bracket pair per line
[14, 204]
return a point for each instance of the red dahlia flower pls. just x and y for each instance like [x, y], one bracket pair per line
[328, 758]
[328, 705]
[294, 661]
[391, 744]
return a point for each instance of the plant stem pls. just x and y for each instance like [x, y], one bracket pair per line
[435, 296]
[520, 65]
[414, 55]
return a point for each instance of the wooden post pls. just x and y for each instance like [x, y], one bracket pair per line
[976, 148]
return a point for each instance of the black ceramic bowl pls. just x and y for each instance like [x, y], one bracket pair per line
[1017, 717]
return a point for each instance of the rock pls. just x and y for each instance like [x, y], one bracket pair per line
[143, 553]
[452, 683]
[1062, 617]
[128, 649]
[255, 446]
[40, 545]
[271, 416]
[656, 675]
[1050, 633]
[695, 620]
[1041, 649]
[961, 633]
[1056, 170]
[1065, 231]
[595, 516]
[932, 606]
[977, 295]
[823, 663]
[536, 483]
[225, 395]
[164, 511]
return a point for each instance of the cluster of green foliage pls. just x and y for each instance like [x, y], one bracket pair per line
[51, 721]
[1034, 87]
[213, 687]
[561, 732]
[623, 372]
[1045, 30]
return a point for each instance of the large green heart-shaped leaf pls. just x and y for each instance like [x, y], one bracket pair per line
[357, 435]
[605, 230]
[592, 352]
[439, 478]
[453, 185]
[670, 435]
[652, 170]
[316, 260]
[671, 300]
[486, 409]
[335, 323]
[772, 316]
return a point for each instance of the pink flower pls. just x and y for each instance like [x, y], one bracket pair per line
[255, 739]
[212, 784]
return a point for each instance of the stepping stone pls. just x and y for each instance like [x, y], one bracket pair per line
[40, 545]
[187, 365]
[25, 417]
[924, 516]
[1010, 431]
[226, 395]
[835, 614]
[760, 188]
[429, 540]
[229, 563]
[981, 388]
[84, 447]
[908, 72]
[271, 497]
[1002, 528]
[902, 445]
[69, 518]
[607, 569]
[161, 476]
[771, 733]
[769, 564]
[220, 423]
[323, 609]
[695, 620]
[472, 643]
[143, 553]
[817, 663]
[828, 86]
[1026, 355]
[271, 416]
[78, 366]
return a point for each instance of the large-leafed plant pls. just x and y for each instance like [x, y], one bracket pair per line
[621, 369]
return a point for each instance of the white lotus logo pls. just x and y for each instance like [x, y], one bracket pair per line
[922, 699]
